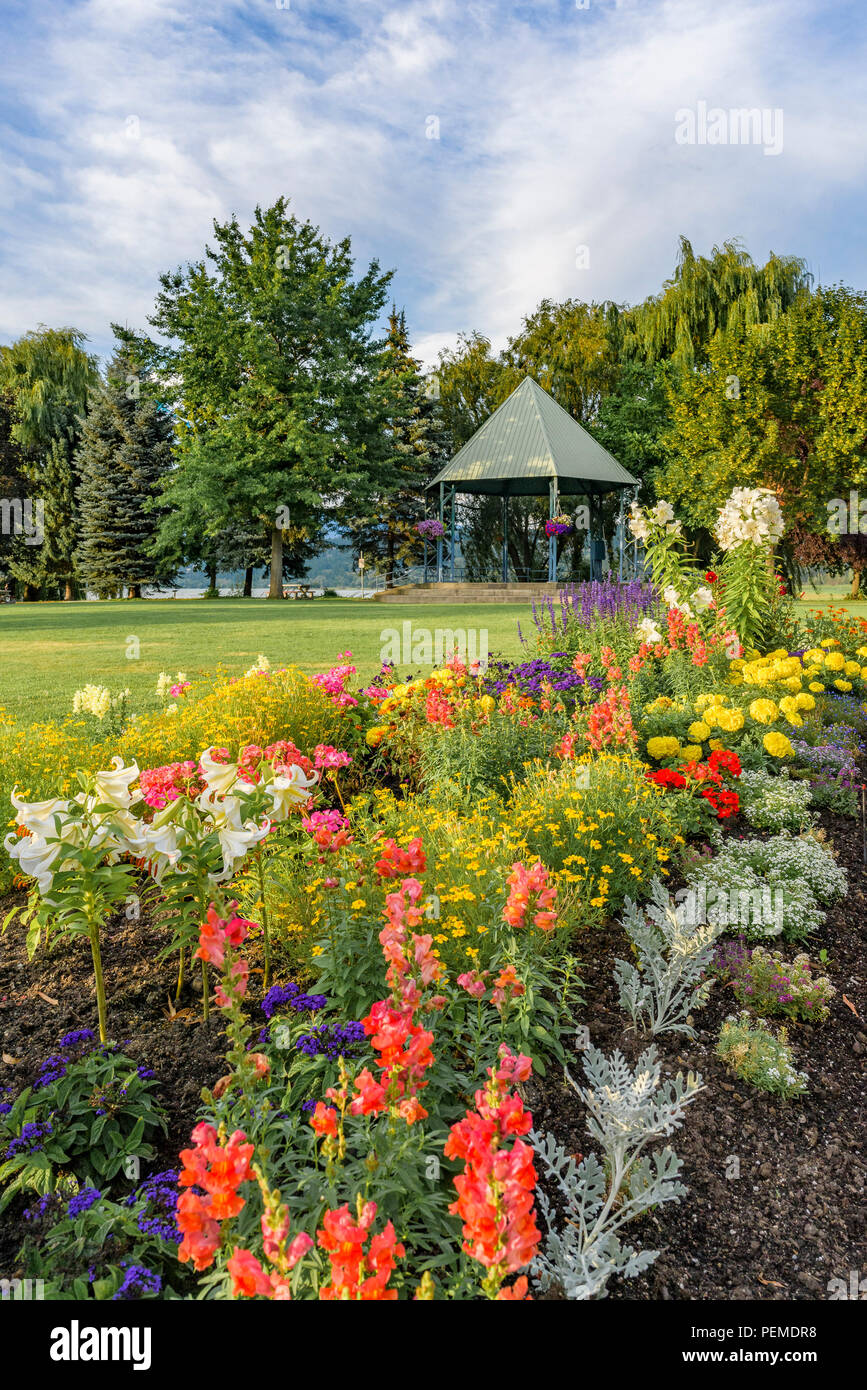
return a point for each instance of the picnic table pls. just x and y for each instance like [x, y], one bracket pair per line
[297, 591]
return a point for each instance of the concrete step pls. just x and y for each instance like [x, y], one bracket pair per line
[467, 593]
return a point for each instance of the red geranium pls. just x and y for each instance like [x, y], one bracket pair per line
[665, 777]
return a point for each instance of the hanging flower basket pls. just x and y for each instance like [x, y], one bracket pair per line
[432, 527]
[559, 526]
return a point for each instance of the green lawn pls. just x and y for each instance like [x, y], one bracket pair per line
[49, 650]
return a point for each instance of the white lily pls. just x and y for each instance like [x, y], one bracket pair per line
[38, 816]
[161, 848]
[218, 777]
[35, 857]
[236, 843]
[702, 598]
[288, 790]
[113, 785]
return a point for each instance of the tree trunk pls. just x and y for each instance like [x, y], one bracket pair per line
[67, 591]
[133, 590]
[856, 582]
[31, 593]
[212, 574]
[248, 582]
[276, 589]
[389, 561]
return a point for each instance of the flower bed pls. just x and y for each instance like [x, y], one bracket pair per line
[384, 920]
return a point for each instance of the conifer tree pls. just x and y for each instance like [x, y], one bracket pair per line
[412, 451]
[125, 453]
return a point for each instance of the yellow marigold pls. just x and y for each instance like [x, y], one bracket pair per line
[852, 668]
[804, 701]
[792, 683]
[777, 745]
[829, 642]
[763, 711]
[835, 661]
[698, 731]
[731, 720]
[691, 752]
[374, 736]
[862, 651]
[845, 686]
[815, 654]
[702, 702]
[816, 687]
[664, 746]
[716, 744]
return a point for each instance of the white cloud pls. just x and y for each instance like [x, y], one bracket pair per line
[555, 131]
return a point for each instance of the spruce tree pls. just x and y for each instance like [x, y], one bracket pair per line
[125, 453]
[412, 452]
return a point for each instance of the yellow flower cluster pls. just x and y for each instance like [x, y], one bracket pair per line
[42, 759]
[820, 666]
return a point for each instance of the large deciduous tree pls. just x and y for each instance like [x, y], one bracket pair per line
[271, 357]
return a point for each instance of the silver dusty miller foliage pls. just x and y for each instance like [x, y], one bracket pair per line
[626, 1111]
[674, 952]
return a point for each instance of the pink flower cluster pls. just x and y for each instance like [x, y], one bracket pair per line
[282, 755]
[328, 757]
[160, 785]
[530, 889]
[333, 682]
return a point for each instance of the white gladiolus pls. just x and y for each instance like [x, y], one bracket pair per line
[649, 632]
[662, 513]
[261, 665]
[638, 522]
[750, 514]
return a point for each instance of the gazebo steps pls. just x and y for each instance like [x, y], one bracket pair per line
[467, 593]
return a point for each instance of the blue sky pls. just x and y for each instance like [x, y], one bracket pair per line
[472, 145]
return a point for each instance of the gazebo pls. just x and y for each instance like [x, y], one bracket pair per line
[528, 447]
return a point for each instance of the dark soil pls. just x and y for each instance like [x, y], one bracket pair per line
[794, 1219]
[796, 1216]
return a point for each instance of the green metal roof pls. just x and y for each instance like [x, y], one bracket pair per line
[526, 443]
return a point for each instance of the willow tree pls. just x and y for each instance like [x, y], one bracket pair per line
[46, 376]
[706, 295]
[782, 406]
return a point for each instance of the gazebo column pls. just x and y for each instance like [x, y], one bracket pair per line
[505, 525]
[552, 540]
[454, 490]
[595, 529]
[440, 536]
